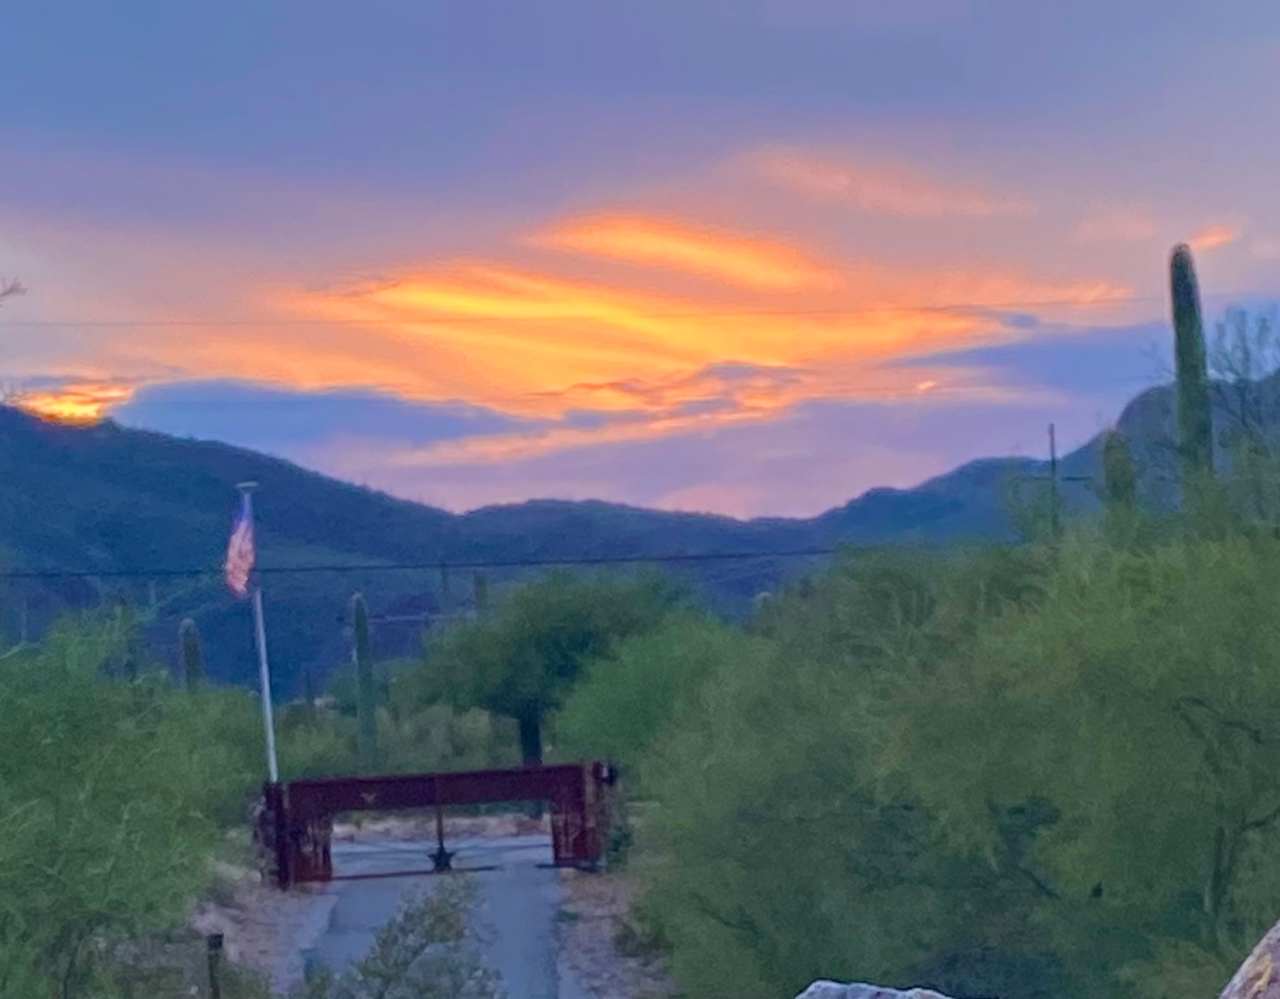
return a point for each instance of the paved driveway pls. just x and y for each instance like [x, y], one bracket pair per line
[519, 902]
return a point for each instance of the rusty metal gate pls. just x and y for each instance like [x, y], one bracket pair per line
[294, 822]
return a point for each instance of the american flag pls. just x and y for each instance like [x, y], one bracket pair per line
[240, 550]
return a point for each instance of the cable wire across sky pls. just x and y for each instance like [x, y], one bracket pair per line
[437, 566]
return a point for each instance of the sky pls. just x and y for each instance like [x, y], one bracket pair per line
[749, 257]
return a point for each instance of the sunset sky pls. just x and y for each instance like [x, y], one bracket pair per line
[750, 257]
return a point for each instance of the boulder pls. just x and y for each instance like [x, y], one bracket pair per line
[856, 990]
[1259, 976]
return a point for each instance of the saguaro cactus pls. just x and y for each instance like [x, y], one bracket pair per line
[1195, 418]
[366, 692]
[192, 654]
[1118, 476]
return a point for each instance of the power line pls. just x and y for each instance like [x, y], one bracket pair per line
[284, 570]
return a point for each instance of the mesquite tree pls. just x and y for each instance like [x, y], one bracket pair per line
[521, 658]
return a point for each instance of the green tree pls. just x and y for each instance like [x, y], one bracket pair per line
[627, 698]
[1134, 705]
[521, 659]
[784, 853]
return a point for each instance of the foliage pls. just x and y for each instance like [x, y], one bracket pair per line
[627, 697]
[777, 856]
[1195, 417]
[1136, 700]
[995, 772]
[111, 797]
[521, 659]
[427, 951]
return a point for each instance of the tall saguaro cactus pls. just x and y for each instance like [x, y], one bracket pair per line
[366, 693]
[192, 654]
[1195, 417]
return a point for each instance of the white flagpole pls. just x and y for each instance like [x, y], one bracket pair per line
[260, 637]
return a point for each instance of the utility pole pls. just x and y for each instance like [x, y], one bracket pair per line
[1055, 518]
[1055, 504]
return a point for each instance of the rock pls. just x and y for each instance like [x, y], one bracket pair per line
[856, 990]
[1259, 976]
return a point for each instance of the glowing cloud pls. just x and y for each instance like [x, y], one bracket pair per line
[741, 260]
[538, 344]
[1213, 236]
[533, 344]
[876, 189]
[76, 403]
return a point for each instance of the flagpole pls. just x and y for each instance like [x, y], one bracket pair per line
[260, 638]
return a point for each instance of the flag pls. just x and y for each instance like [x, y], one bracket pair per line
[240, 552]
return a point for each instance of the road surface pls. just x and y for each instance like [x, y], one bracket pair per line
[519, 901]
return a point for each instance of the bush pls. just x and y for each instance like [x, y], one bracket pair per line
[111, 798]
[426, 952]
[628, 697]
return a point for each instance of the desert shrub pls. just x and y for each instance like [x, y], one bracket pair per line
[428, 951]
[111, 798]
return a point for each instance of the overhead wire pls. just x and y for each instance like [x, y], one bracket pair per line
[433, 566]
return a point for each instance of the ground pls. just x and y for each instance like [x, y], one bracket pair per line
[601, 942]
[561, 934]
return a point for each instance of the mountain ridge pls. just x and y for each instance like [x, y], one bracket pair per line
[111, 499]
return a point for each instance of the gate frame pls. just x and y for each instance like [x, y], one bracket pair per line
[294, 820]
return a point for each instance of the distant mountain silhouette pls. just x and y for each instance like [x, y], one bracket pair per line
[111, 500]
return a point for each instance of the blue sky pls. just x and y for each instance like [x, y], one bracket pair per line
[751, 257]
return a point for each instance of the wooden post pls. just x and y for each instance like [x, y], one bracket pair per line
[213, 944]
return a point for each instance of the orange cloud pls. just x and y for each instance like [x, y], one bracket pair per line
[78, 403]
[877, 189]
[537, 344]
[758, 403]
[740, 260]
[1213, 236]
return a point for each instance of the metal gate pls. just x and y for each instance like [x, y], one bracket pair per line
[294, 822]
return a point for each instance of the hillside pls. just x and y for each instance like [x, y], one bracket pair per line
[115, 500]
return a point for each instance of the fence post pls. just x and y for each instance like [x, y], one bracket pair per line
[214, 944]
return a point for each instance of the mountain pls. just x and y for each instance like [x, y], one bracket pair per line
[112, 501]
